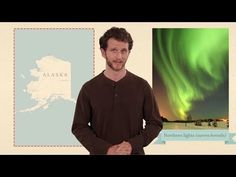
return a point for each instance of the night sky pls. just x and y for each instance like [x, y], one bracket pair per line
[190, 72]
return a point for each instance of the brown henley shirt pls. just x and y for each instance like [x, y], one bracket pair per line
[109, 112]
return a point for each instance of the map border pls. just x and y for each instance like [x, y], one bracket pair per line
[14, 81]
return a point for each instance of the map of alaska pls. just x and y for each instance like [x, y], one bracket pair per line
[53, 82]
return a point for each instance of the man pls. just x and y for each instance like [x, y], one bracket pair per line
[111, 107]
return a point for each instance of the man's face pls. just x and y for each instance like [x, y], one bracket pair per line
[116, 54]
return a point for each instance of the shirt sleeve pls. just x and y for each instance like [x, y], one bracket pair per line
[81, 129]
[153, 120]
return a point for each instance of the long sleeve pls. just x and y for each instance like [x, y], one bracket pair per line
[153, 121]
[82, 130]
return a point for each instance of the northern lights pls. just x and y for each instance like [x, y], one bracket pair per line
[190, 72]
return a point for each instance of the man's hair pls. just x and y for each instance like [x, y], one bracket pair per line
[119, 34]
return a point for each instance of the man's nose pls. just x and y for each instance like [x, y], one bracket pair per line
[119, 55]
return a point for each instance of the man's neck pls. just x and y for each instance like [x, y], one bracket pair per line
[115, 75]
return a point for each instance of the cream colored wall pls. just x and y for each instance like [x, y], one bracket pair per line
[140, 63]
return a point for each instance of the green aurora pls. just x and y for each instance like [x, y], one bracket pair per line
[192, 64]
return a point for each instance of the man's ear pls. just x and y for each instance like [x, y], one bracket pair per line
[103, 52]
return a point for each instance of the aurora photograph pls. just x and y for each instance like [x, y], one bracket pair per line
[190, 77]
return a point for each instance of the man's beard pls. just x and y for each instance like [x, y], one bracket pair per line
[110, 64]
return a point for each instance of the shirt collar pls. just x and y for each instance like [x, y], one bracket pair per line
[113, 83]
